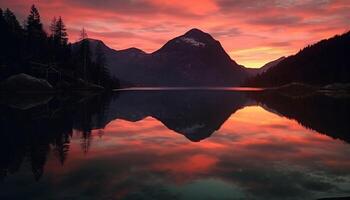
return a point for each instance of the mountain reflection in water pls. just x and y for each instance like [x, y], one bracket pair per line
[131, 145]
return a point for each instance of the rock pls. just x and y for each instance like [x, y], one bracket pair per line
[25, 83]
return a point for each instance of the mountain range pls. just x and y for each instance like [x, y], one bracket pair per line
[193, 59]
[197, 59]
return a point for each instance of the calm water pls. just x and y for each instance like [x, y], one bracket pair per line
[177, 144]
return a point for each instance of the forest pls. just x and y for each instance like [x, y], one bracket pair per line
[320, 64]
[28, 48]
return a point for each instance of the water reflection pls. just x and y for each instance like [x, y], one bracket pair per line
[132, 146]
[195, 114]
[320, 112]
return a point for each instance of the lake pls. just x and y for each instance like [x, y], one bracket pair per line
[175, 144]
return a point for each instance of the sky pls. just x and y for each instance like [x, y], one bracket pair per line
[253, 32]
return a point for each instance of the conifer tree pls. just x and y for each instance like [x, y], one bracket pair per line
[36, 36]
[59, 31]
[34, 26]
[84, 53]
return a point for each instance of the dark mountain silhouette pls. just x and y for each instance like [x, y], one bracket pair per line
[193, 59]
[323, 63]
[271, 64]
[196, 58]
[254, 72]
[115, 58]
[120, 63]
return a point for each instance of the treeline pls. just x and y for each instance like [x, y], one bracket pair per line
[325, 62]
[29, 49]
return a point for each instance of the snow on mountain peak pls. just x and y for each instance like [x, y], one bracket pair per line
[192, 42]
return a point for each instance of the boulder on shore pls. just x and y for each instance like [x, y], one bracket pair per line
[25, 83]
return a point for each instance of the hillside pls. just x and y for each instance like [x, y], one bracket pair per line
[264, 68]
[323, 63]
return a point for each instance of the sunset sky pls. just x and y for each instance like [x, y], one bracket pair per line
[253, 32]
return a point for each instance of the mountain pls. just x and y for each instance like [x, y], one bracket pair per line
[117, 58]
[193, 59]
[271, 64]
[323, 63]
[254, 72]
[119, 62]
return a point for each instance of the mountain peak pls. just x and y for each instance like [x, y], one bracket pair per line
[195, 31]
[194, 38]
[198, 34]
[133, 50]
[93, 42]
